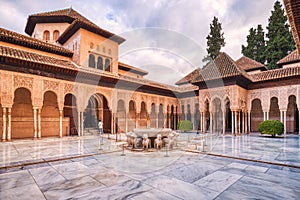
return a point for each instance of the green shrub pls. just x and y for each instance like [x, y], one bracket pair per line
[271, 127]
[185, 125]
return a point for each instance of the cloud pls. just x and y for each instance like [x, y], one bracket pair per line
[188, 18]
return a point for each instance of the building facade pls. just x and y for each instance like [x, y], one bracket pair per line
[65, 76]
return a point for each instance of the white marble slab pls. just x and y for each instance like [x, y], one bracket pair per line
[46, 175]
[15, 180]
[238, 165]
[30, 191]
[180, 188]
[153, 194]
[70, 188]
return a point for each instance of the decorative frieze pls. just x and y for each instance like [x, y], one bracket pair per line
[23, 81]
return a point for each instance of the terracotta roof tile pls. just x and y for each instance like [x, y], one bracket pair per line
[188, 78]
[249, 64]
[276, 74]
[76, 21]
[23, 40]
[132, 68]
[292, 57]
[222, 67]
[35, 58]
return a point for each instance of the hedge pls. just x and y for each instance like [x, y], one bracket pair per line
[271, 127]
[185, 125]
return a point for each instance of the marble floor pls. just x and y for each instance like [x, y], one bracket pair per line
[52, 168]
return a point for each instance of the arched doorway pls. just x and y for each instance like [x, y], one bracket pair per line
[50, 115]
[97, 109]
[274, 113]
[256, 114]
[121, 115]
[292, 121]
[143, 116]
[132, 116]
[228, 116]
[70, 112]
[160, 116]
[153, 116]
[22, 124]
[217, 120]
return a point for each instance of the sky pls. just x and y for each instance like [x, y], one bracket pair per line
[167, 38]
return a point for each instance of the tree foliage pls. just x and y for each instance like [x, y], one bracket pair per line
[256, 45]
[185, 125]
[280, 40]
[271, 127]
[215, 40]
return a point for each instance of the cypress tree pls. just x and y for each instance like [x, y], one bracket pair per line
[256, 45]
[280, 40]
[215, 40]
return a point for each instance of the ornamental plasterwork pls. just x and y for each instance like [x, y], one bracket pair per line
[273, 93]
[255, 95]
[68, 88]
[50, 85]
[292, 91]
[22, 81]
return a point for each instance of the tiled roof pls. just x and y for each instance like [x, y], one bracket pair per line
[249, 64]
[188, 78]
[19, 39]
[292, 57]
[131, 68]
[276, 74]
[222, 67]
[76, 21]
[292, 8]
[8, 52]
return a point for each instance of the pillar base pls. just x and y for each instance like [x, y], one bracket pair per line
[3, 140]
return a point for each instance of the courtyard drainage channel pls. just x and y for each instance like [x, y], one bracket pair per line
[22, 164]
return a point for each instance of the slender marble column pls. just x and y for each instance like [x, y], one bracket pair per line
[235, 122]
[211, 122]
[267, 113]
[284, 119]
[224, 123]
[39, 122]
[249, 122]
[8, 124]
[81, 124]
[78, 124]
[60, 122]
[281, 117]
[4, 124]
[232, 122]
[264, 116]
[126, 122]
[156, 120]
[35, 122]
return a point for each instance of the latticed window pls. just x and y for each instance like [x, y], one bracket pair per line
[100, 63]
[92, 61]
[46, 35]
[107, 65]
[55, 35]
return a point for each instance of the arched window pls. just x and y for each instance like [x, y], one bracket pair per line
[107, 65]
[100, 63]
[91, 61]
[46, 36]
[55, 35]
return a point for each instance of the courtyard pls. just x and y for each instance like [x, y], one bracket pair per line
[243, 167]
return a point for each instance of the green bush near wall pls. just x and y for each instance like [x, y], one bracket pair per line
[271, 127]
[185, 125]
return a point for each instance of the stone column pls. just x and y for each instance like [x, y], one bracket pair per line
[60, 122]
[235, 123]
[39, 122]
[211, 122]
[284, 122]
[267, 113]
[81, 123]
[35, 122]
[264, 115]
[232, 122]
[281, 116]
[224, 122]
[112, 121]
[8, 124]
[78, 123]
[243, 122]
[4, 124]
[137, 117]
[126, 122]
[249, 121]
